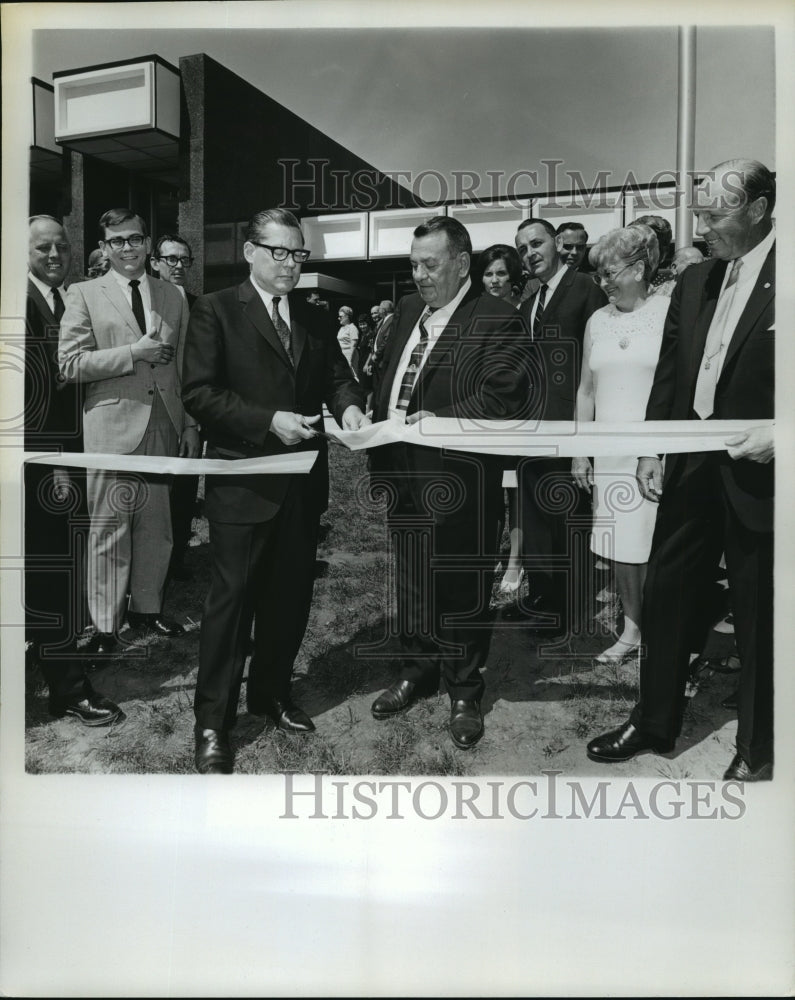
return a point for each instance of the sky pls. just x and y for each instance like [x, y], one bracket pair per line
[501, 98]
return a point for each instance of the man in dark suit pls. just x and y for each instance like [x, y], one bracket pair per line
[259, 364]
[452, 352]
[556, 316]
[170, 261]
[54, 497]
[717, 360]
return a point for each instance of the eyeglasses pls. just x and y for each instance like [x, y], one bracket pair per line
[176, 261]
[281, 253]
[598, 279]
[117, 242]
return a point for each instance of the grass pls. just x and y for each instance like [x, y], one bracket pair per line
[539, 708]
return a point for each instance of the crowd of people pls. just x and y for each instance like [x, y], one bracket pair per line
[547, 328]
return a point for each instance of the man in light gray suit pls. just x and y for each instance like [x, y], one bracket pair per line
[122, 336]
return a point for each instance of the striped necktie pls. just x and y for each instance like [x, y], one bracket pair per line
[410, 374]
[282, 329]
[542, 294]
[718, 336]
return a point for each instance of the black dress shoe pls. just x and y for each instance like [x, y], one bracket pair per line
[466, 723]
[156, 624]
[213, 753]
[740, 770]
[395, 699]
[91, 708]
[623, 743]
[731, 700]
[102, 644]
[287, 716]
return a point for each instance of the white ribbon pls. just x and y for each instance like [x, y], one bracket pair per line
[299, 462]
[561, 438]
[528, 438]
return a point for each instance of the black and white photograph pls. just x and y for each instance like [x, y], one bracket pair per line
[391, 528]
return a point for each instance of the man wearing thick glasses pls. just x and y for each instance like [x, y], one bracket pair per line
[122, 337]
[171, 261]
[259, 364]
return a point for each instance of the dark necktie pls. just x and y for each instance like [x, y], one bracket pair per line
[282, 329]
[410, 374]
[137, 304]
[57, 305]
[542, 294]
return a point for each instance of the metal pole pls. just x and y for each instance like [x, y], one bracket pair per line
[685, 135]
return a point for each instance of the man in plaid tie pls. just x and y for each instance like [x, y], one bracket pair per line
[452, 352]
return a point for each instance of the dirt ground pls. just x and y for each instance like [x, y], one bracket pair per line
[542, 703]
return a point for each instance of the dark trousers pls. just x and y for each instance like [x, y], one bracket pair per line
[55, 613]
[183, 504]
[551, 512]
[264, 572]
[696, 524]
[443, 534]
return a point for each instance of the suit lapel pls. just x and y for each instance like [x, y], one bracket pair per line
[761, 295]
[41, 304]
[298, 331]
[114, 294]
[561, 290]
[255, 311]
[397, 344]
[157, 295]
[710, 293]
[449, 336]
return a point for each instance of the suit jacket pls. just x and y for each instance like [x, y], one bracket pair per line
[746, 385]
[557, 349]
[476, 369]
[236, 375]
[53, 407]
[97, 331]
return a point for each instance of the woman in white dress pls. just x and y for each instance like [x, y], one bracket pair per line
[620, 352]
[348, 335]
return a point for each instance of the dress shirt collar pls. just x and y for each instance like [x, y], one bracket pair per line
[440, 317]
[267, 299]
[555, 280]
[753, 260]
[46, 290]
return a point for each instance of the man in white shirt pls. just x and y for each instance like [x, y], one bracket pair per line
[556, 315]
[122, 338]
[453, 351]
[717, 360]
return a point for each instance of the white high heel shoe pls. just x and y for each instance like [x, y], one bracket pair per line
[619, 652]
[506, 587]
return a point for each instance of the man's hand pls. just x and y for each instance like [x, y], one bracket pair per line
[153, 351]
[649, 475]
[756, 445]
[290, 428]
[189, 443]
[61, 484]
[582, 472]
[419, 415]
[353, 419]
